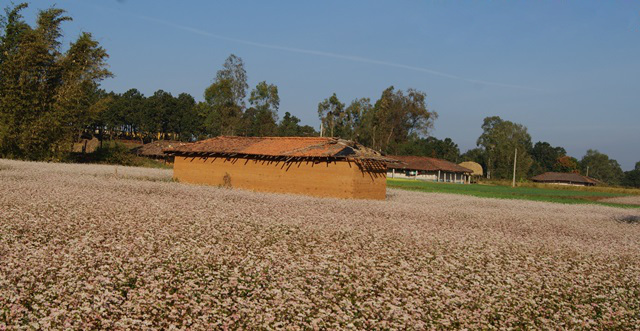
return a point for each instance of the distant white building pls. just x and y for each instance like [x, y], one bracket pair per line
[427, 168]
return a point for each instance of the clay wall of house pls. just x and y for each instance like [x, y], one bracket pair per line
[341, 179]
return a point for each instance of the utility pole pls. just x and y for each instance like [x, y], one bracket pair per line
[321, 129]
[587, 171]
[515, 159]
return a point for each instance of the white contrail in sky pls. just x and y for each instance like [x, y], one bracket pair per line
[327, 54]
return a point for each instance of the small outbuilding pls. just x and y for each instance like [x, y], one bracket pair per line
[155, 149]
[318, 166]
[427, 168]
[86, 145]
[475, 167]
[565, 178]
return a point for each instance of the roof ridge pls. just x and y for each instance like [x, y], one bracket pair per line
[292, 147]
[273, 137]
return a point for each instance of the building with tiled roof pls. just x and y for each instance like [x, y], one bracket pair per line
[155, 149]
[318, 166]
[565, 178]
[427, 168]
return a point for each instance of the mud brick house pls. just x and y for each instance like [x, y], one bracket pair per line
[325, 167]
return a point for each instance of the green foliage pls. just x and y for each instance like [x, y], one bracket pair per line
[431, 146]
[332, 115]
[566, 164]
[352, 125]
[184, 120]
[48, 96]
[499, 140]
[602, 167]
[111, 152]
[235, 75]
[161, 116]
[224, 115]
[114, 153]
[261, 119]
[546, 157]
[290, 127]
[224, 99]
[632, 178]
[396, 118]
[264, 97]
[124, 115]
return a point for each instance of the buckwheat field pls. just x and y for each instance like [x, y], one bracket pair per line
[90, 246]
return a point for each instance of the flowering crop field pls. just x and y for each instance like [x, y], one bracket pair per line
[631, 200]
[93, 247]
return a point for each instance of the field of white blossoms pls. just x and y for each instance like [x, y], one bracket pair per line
[88, 247]
[630, 200]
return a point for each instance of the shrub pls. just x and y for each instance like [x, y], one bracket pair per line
[114, 153]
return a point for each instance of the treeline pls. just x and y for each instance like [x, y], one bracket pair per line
[223, 112]
[496, 148]
[131, 115]
[500, 139]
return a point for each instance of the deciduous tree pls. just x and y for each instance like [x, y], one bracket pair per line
[432, 147]
[545, 157]
[261, 119]
[331, 113]
[225, 99]
[290, 126]
[566, 164]
[395, 118]
[602, 167]
[499, 140]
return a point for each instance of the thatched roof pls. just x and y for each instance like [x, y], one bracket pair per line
[86, 145]
[279, 147]
[564, 177]
[475, 167]
[425, 164]
[155, 149]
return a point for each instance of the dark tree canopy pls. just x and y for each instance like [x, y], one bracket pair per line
[131, 115]
[261, 118]
[290, 127]
[566, 164]
[601, 167]
[546, 158]
[432, 147]
[632, 178]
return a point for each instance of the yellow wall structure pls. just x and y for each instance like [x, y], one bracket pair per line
[340, 179]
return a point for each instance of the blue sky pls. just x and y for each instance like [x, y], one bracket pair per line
[568, 70]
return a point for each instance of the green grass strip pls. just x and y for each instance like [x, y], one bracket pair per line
[506, 192]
